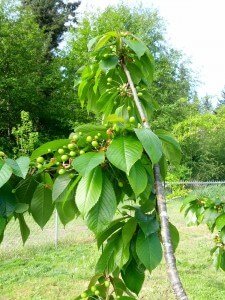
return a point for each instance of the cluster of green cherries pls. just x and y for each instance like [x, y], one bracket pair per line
[94, 291]
[63, 157]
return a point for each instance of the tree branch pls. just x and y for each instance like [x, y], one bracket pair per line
[161, 203]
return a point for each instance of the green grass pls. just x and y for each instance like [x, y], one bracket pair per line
[62, 273]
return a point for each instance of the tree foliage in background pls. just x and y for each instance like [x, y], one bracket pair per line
[22, 70]
[52, 16]
[25, 136]
[202, 141]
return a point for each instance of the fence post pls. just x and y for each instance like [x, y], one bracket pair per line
[56, 228]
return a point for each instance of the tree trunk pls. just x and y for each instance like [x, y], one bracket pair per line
[161, 203]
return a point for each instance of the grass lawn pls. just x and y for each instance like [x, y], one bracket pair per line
[62, 273]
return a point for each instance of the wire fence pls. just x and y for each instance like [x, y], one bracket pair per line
[54, 232]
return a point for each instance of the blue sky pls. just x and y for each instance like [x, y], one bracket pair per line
[197, 28]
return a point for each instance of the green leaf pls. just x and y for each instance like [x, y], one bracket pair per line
[108, 63]
[25, 189]
[163, 167]
[20, 166]
[174, 236]
[85, 163]
[138, 47]
[220, 222]
[123, 152]
[24, 229]
[2, 225]
[53, 145]
[105, 103]
[59, 186]
[21, 207]
[115, 119]
[102, 213]
[103, 40]
[151, 143]
[171, 147]
[7, 201]
[149, 250]
[135, 73]
[92, 42]
[5, 174]
[122, 253]
[89, 190]
[128, 231]
[147, 67]
[41, 205]
[71, 188]
[138, 171]
[67, 211]
[113, 227]
[106, 261]
[210, 216]
[133, 276]
[148, 223]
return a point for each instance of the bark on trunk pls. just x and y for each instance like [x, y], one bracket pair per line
[161, 203]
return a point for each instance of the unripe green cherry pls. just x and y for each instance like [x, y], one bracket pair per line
[71, 146]
[109, 79]
[96, 137]
[71, 175]
[107, 283]
[140, 94]
[83, 295]
[64, 157]
[99, 134]
[80, 133]
[2, 153]
[94, 144]
[132, 119]
[57, 163]
[89, 138]
[128, 108]
[93, 288]
[97, 292]
[72, 153]
[82, 152]
[39, 166]
[61, 151]
[49, 150]
[120, 184]
[40, 159]
[75, 137]
[62, 171]
[105, 55]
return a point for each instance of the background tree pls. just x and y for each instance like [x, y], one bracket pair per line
[221, 101]
[53, 16]
[202, 142]
[206, 104]
[22, 65]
